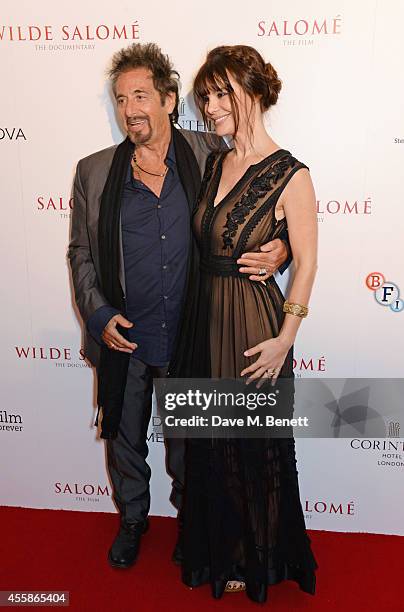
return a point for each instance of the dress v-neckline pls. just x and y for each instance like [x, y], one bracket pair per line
[250, 168]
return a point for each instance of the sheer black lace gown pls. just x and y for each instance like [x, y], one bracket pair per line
[242, 514]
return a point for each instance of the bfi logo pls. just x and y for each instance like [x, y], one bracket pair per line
[386, 293]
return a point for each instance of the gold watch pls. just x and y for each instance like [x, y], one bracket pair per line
[295, 309]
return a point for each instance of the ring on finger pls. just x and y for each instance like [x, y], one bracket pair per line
[262, 272]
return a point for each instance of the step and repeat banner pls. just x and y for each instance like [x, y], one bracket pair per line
[340, 112]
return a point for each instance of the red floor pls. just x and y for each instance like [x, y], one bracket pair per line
[57, 550]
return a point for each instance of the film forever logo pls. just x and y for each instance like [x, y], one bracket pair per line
[10, 422]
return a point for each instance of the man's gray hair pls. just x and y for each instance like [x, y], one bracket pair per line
[150, 56]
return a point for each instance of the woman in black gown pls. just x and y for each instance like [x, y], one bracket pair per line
[243, 525]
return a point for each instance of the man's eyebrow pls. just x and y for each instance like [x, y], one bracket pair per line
[135, 91]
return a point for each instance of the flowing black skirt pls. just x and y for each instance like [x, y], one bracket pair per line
[242, 516]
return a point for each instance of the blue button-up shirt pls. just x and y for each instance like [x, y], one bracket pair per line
[155, 241]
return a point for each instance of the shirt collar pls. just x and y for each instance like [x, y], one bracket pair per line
[170, 159]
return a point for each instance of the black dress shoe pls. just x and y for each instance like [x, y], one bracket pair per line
[125, 548]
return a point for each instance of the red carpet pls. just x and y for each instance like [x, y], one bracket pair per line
[57, 550]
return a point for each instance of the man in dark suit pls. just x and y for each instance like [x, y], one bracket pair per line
[129, 255]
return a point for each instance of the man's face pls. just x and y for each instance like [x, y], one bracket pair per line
[144, 118]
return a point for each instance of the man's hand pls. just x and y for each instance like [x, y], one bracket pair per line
[272, 255]
[113, 339]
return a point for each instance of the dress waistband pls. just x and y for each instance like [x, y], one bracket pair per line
[220, 265]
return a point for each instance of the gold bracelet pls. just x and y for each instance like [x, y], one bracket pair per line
[295, 309]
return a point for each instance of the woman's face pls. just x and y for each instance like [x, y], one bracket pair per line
[218, 109]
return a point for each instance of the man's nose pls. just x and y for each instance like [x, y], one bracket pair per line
[131, 108]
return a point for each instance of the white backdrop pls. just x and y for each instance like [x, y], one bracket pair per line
[340, 112]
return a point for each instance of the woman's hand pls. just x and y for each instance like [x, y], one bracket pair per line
[268, 365]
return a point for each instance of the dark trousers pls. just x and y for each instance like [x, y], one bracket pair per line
[127, 453]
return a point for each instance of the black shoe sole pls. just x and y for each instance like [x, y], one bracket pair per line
[120, 565]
